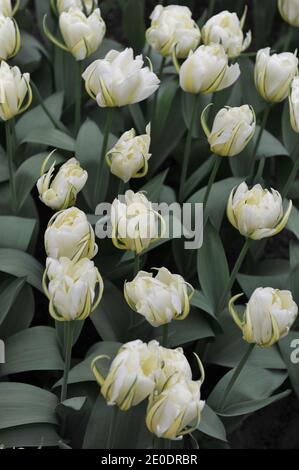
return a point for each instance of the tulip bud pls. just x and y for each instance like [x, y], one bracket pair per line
[15, 87]
[173, 27]
[294, 104]
[10, 41]
[206, 70]
[232, 129]
[87, 6]
[159, 299]
[135, 224]
[70, 235]
[225, 28]
[257, 213]
[273, 74]
[72, 288]
[119, 79]
[61, 192]
[7, 9]
[289, 10]
[268, 316]
[131, 377]
[129, 157]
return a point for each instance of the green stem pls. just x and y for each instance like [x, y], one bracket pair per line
[110, 443]
[234, 273]
[258, 140]
[293, 174]
[188, 148]
[54, 121]
[165, 335]
[160, 73]
[136, 264]
[211, 8]
[69, 333]
[78, 100]
[288, 39]
[235, 375]
[9, 133]
[260, 170]
[99, 175]
[216, 166]
[121, 187]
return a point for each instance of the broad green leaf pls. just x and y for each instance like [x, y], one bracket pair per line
[133, 23]
[271, 273]
[16, 232]
[211, 425]
[14, 322]
[249, 93]
[289, 348]
[154, 187]
[187, 100]
[166, 94]
[21, 264]
[293, 223]
[8, 297]
[200, 301]
[247, 407]
[30, 435]
[193, 328]
[50, 138]
[290, 137]
[197, 177]
[138, 118]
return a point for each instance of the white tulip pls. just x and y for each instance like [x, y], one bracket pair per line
[273, 74]
[82, 34]
[289, 10]
[14, 88]
[159, 299]
[173, 367]
[294, 104]
[7, 9]
[268, 316]
[119, 79]
[61, 192]
[129, 157]
[86, 6]
[70, 235]
[225, 28]
[72, 288]
[10, 41]
[257, 213]
[131, 377]
[173, 27]
[232, 130]
[206, 70]
[135, 224]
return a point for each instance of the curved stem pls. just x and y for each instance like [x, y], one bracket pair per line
[68, 336]
[9, 133]
[293, 174]
[99, 175]
[78, 100]
[213, 175]
[258, 140]
[187, 152]
[235, 375]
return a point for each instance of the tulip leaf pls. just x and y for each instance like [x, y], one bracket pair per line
[289, 136]
[50, 138]
[8, 296]
[21, 264]
[211, 425]
[22, 301]
[38, 435]
[154, 187]
[166, 94]
[293, 222]
[16, 232]
[133, 23]
[193, 328]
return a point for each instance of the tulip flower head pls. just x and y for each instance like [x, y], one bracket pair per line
[232, 129]
[16, 93]
[159, 299]
[268, 316]
[289, 10]
[172, 27]
[294, 104]
[119, 79]
[225, 28]
[72, 288]
[129, 157]
[10, 41]
[257, 213]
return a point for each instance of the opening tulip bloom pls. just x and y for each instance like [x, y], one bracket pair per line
[172, 27]
[135, 224]
[173, 367]
[10, 41]
[7, 8]
[289, 10]
[61, 192]
[273, 74]
[72, 288]
[206, 70]
[294, 104]
[232, 129]
[14, 90]
[87, 6]
[225, 28]
[129, 157]
[268, 316]
[159, 299]
[119, 79]
[70, 235]
[257, 213]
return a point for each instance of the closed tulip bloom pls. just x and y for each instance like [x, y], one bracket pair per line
[294, 104]
[225, 28]
[129, 157]
[173, 367]
[268, 316]
[61, 191]
[135, 224]
[10, 41]
[14, 90]
[70, 235]
[7, 8]
[289, 10]
[206, 70]
[232, 129]
[72, 288]
[159, 299]
[119, 79]
[257, 213]
[85, 5]
[131, 377]
[82, 34]
[273, 74]
[173, 27]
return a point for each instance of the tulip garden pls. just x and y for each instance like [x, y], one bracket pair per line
[114, 332]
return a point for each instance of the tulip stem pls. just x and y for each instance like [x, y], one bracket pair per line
[293, 174]
[121, 187]
[160, 73]
[187, 151]
[258, 140]
[234, 273]
[68, 336]
[100, 166]
[78, 99]
[216, 166]
[136, 264]
[289, 37]
[110, 443]
[211, 8]
[54, 121]
[165, 335]
[9, 132]
[235, 375]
